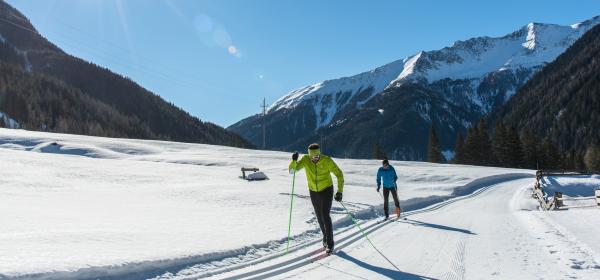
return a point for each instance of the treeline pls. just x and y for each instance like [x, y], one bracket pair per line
[39, 102]
[45, 103]
[504, 146]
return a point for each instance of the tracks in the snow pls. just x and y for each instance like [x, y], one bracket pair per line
[310, 257]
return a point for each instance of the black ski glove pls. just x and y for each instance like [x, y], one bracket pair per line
[378, 188]
[295, 156]
[338, 197]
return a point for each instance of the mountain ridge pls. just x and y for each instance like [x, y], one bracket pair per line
[502, 63]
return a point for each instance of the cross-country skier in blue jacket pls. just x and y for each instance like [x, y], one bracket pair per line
[387, 174]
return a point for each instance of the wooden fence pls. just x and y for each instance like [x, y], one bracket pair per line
[558, 202]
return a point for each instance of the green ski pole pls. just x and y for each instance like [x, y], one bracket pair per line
[291, 205]
[366, 237]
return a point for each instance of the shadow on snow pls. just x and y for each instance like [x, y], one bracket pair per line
[391, 273]
[436, 226]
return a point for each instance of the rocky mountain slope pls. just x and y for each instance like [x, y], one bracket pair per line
[448, 88]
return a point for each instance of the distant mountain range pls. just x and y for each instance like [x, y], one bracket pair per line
[393, 106]
[44, 88]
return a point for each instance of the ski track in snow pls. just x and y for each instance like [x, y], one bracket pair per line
[451, 235]
[300, 261]
[498, 235]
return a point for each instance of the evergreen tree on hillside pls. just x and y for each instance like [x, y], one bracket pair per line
[550, 156]
[378, 153]
[514, 148]
[530, 149]
[578, 161]
[433, 147]
[568, 162]
[485, 153]
[459, 151]
[2, 124]
[592, 158]
[471, 146]
[500, 144]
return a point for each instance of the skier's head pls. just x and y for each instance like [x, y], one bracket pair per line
[314, 152]
[385, 163]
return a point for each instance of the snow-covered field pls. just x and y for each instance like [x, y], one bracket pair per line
[88, 207]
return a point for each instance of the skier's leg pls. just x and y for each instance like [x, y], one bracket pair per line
[395, 197]
[386, 193]
[327, 200]
[316, 200]
[396, 201]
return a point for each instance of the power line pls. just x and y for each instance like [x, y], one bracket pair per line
[20, 26]
[110, 57]
[264, 116]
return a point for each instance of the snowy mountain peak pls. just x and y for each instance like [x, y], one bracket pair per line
[541, 36]
[530, 47]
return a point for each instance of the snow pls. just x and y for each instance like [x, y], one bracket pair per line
[530, 47]
[572, 187]
[75, 204]
[409, 67]
[89, 207]
[448, 154]
[9, 122]
[376, 79]
[495, 234]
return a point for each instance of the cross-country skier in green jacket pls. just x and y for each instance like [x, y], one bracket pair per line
[318, 173]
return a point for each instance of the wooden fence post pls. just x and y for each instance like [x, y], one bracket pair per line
[598, 197]
[558, 200]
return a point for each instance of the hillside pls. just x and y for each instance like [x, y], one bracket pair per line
[562, 100]
[43, 88]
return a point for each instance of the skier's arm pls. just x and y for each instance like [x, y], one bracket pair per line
[338, 174]
[378, 178]
[297, 165]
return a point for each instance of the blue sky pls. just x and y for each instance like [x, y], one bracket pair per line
[218, 59]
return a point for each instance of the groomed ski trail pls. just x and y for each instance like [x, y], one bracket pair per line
[269, 260]
[495, 236]
[281, 265]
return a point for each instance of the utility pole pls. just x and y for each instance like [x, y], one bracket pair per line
[264, 116]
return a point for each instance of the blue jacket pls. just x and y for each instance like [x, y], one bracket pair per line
[389, 177]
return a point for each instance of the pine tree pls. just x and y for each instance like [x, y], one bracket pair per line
[500, 144]
[514, 148]
[459, 152]
[2, 124]
[378, 153]
[550, 155]
[578, 162]
[592, 158]
[433, 148]
[568, 162]
[471, 147]
[485, 154]
[530, 150]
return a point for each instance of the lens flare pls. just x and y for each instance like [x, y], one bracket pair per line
[232, 49]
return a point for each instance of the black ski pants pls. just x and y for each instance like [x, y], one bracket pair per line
[321, 201]
[386, 194]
